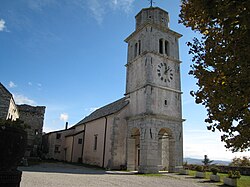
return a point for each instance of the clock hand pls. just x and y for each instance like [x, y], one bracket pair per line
[166, 70]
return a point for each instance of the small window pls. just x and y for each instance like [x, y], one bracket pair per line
[36, 132]
[58, 135]
[79, 140]
[166, 47]
[95, 142]
[139, 46]
[166, 102]
[57, 149]
[161, 46]
[135, 50]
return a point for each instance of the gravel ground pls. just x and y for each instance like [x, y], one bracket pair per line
[66, 175]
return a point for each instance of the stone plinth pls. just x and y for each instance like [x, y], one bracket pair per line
[230, 181]
[215, 178]
[200, 174]
[184, 172]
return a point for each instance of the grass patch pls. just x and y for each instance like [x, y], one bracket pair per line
[150, 175]
[244, 181]
[192, 172]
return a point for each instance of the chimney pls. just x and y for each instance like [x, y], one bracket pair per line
[66, 125]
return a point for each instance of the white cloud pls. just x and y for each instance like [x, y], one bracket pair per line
[12, 84]
[97, 9]
[125, 5]
[2, 25]
[39, 84]
[30, 83]
[20, 99]
[91, 109]
[64, 117]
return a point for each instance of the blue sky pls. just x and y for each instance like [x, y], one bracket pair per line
[69, 56]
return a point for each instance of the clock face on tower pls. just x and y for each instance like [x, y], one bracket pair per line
[164, 72]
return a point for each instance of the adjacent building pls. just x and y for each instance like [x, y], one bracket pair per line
[8, 108]
[33, 116]
[143, 130]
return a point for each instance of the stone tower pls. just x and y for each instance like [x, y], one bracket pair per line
[33, 116]
[155, 140]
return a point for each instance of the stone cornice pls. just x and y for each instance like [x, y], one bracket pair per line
[155, 116]
[154, 85]
[155, 53]
[163, 29]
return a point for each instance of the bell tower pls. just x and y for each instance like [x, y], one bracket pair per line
[153, 87]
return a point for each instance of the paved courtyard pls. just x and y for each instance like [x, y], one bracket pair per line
[61, 174]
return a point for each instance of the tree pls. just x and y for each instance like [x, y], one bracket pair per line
[206, 161]
[221, 65]
[244, 161]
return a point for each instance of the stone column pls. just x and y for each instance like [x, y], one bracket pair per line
[131, 154]
[172, 154]
[149, 159]
[165, 152]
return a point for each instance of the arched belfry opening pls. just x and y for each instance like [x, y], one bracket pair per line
[133, 157]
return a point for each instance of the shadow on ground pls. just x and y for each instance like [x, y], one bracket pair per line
[206, 181]
[60, 167]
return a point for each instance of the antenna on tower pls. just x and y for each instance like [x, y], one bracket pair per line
[151, 3]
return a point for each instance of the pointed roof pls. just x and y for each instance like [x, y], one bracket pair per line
[105, 111]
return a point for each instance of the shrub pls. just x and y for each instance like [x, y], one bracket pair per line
[199, 168]
[16, 124]
[234, 174]
[214, 170]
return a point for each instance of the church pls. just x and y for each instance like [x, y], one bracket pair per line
[143, 130]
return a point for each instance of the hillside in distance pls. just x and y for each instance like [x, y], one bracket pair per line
[199, 161]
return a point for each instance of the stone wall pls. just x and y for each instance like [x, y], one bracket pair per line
[33, 116]
[8, 108]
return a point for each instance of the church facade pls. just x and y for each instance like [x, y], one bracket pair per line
[143, 130]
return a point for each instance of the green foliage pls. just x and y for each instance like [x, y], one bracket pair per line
[221, 65]
[244, 161]
[206, 161]
[234, 174]
[214, 170]
[17, 124]
[199, 168]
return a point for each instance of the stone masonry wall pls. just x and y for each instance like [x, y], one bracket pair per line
[5, 97]
[34, 117]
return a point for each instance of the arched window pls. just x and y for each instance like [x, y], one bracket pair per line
[166, 48]
[139, 47]
[161, 46]
[135, 50]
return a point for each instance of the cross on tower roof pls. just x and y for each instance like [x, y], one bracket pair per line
[151, 3]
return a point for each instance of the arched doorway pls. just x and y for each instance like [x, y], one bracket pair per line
[165, 144]
[133, 152]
